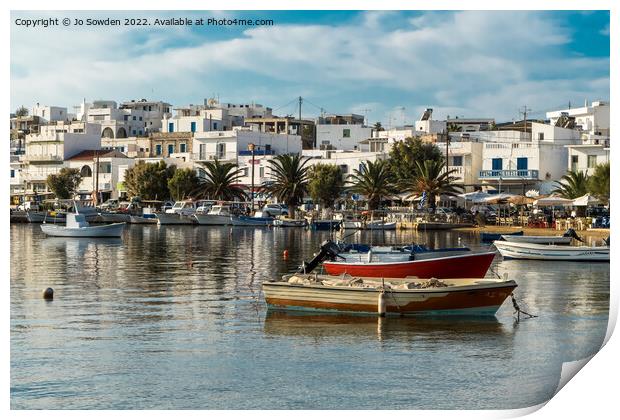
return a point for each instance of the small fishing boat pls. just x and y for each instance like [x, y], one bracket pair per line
[285, 222]
[144, 219]
[529, 251]
[46, 216]
[251, 221]
[112, 217]
[429, 225]
[217, 215]
[365, 253]
[565, 239]
[181, 213]
[78, 227]
[474, 265]
[352, 224]
[325, 224]
[380, 225]
[387, 296]
[495, 236]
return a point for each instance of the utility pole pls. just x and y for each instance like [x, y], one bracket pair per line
[96, 178]
[251, 147]
[524, 112]
[300, 102]
[366, 111]
[447, 144]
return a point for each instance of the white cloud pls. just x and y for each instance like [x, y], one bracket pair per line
[483, 63]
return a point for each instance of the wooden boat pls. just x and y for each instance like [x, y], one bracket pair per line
[467, 265]
[78, 227]
[45, 216]
[527, 251]
[144, 219]
[495, 236]
[250, 221]
[217, 215]
[284, 222]
[387, 296]
[111, 217]
[549, 240]
[19, 216]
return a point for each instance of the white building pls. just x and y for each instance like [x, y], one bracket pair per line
[341, 136]
[47, 151]
[50, 113]
[347, 161]
[153, 112]
[234, 146]
[114, 122]
[517, 161]
[429, 126]
[586, 156]
[592, 119]
[109, 175]
[192, 120]
[465, 159]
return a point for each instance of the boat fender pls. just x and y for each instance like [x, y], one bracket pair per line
[381, 304]
[48, 294]
[369, 255]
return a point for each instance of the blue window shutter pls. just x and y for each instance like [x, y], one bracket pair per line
[171, 127]
[522, 164]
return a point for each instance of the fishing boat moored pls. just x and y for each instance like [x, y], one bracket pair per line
[78, 227]
[495, 236]
[528, 251]
[387, 296]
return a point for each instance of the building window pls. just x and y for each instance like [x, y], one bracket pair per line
[170, 149]
[574, 162]
[134, 132]
[215, 126]
[457, 160]
[126, 117]
[158, 149]
[261, 172]
[140, 119]
[541, 136]
[346, 133]
[221, 150]
[12, 173]
[496, 164]
[171, 127]
[244, 172]
[193, 126]
[133, 118]
[182, 147]
[522, 164]
[86, 172]
[591, 161]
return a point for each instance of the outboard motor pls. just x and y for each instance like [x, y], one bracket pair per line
[570, 233]
[329, 250]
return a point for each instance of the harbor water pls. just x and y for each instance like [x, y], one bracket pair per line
[172, 317]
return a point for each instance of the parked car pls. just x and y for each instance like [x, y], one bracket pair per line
[110, 204]
[271, 210]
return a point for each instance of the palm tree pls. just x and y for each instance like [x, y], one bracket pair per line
[598, 184]
[574, 184]
[289, 182]
[452, 127]
[220, 182]
[374, 180]
[433, 180]
[378, 127]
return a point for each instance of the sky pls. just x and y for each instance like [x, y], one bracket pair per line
[388, 66]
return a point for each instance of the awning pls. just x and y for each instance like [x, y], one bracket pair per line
[586, 200]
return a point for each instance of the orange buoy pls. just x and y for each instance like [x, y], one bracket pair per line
[285, 254]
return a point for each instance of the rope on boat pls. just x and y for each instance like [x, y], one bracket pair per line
[518, 310]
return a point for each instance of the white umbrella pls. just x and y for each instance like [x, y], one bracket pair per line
[475, 197]
[585, 200]
[553, 201]
[495, 198]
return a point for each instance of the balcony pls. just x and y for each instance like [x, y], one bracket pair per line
[27, 158]
[204, 157]
[516, 174]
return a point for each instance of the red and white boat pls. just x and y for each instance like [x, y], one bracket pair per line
[450, 267]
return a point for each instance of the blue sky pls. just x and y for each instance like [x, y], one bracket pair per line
[390, 65]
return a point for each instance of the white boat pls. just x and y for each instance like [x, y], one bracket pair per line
[548, 240]
[352, 224]
[380, 225]
[217, 215]
[181, 213]
[44, 216]
[78, 227]
[528, 251]
[285, 222]
[110, 217]
[250, 221]
[145, 219]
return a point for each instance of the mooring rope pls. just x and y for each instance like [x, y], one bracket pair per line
[518, 310]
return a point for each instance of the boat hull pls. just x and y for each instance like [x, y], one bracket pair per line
[483, 299]
[289, 223]
[40, 217]
[114, 230]
[458, 266]
[325, 224]
[212, 219]
[250, 221]
[174, 219]
[440, 225]
[380, 226]
[141, 220]
[526, 251]
[544, 240]
[112, 218]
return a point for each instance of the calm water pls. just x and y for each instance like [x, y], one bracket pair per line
[173, 317]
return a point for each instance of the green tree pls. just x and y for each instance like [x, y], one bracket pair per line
[149, 181]
[373, 180]
[452, 128]
[433, 180]
[405, 155]
[64, 183]
[574, 184]
[378, 127]
[325, 183]
[183, 184]
[220, 182]
[598, 184]
[290, 180]
[22, 111]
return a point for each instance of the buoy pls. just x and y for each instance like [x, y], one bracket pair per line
[381, 304]
[48, 294]
[285, 254]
